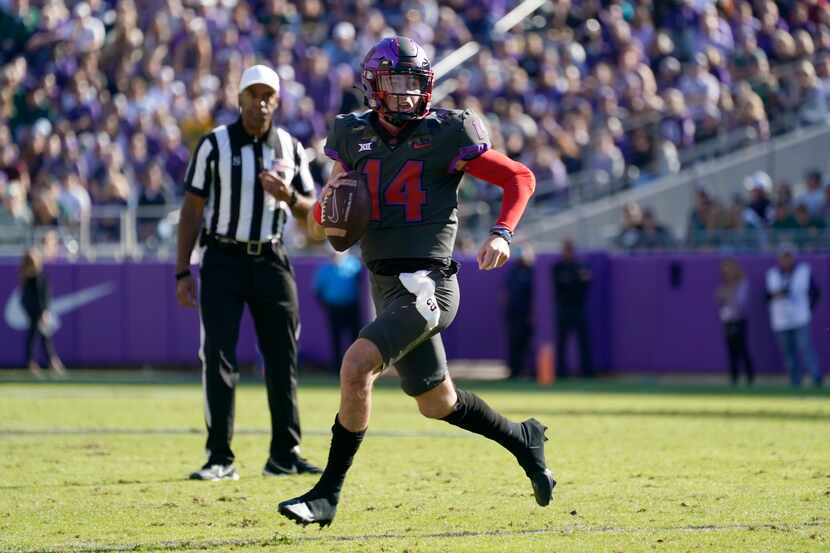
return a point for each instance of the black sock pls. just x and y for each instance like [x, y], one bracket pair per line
[344, 445]
[473, 414]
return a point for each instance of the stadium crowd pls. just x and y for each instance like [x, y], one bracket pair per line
[768, 214]
[102, 102]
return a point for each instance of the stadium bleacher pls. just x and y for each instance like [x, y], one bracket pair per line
[103, 100]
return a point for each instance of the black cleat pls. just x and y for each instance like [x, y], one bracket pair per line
[295, 465]
[312, 508]
[533, 461]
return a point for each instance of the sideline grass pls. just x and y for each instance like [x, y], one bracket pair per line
[99, 467]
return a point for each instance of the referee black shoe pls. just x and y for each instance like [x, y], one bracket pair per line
[314, 507]
[214, 473]
[532, 461]
[293, 465]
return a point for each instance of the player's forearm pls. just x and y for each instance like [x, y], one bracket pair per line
[514, 178]
[190, 222]
[315, 230]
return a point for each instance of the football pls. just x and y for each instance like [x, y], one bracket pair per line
[346, 211]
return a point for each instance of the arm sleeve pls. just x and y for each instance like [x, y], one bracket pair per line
[334, 147]
[514, 178]
[199, 172]
[303, 183]
[472, 140]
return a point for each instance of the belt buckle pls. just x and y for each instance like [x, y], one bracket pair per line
[253, 248]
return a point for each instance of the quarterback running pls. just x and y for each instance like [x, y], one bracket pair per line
[413, 158]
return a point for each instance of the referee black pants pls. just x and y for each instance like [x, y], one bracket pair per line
[230, 279]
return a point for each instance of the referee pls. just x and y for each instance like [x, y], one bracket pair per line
[242, 181]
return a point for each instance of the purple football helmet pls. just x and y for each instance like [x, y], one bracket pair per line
[396, 56]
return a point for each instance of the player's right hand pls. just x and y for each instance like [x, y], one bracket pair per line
[333, 182]
[186, 291]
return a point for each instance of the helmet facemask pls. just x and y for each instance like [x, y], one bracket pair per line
[400, 96]
[397, 80]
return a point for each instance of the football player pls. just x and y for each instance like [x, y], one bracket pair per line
[413, 158]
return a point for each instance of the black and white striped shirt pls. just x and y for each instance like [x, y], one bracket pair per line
[224, 169]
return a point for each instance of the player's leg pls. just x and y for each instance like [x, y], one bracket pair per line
[424, 376]
[398, 328]
[220, 311]
[361, 366]
[274, 308]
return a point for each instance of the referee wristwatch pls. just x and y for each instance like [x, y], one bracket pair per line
[504, 232]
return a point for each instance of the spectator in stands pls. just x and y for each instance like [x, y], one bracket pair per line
[814, 193]
[571, 280]
[73, 200]
[710, 125]
[759, 186]
[337, 288]
[703, 220]
[677, 126]
[632, 227]
[518, 311]
[810, 229]
[733, 298]
[605, 162]
[810, 98]
[792, 294]
[750, 115]
[156, 194]
[784, 225]
[564, 74]
[35, 300]
[654, 234]
[700, 88]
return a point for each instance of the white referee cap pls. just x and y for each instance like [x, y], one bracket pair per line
[259, 74]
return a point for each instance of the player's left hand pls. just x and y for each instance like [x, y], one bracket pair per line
[275, 185]
[493, 253]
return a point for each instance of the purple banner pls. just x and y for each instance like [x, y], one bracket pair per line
[648, 314]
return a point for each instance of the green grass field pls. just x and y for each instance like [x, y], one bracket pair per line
[102, 466]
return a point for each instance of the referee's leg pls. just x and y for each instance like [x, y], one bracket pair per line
[275, 311]
[221, 310]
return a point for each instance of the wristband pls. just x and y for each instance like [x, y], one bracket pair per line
[503, 232]
[183, 274]
[292, 201]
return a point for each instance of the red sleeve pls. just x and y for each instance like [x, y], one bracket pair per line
[317, 213]
[513, 177]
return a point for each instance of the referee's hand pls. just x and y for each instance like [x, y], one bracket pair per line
[186, 291]
[275, 185]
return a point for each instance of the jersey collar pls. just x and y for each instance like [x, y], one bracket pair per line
[393, 141]
[245, 138]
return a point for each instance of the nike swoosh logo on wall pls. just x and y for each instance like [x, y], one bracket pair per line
[17, 319]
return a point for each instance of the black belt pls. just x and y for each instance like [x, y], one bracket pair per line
[236, 247]
[394, 267]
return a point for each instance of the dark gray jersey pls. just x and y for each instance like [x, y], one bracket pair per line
[413, 184]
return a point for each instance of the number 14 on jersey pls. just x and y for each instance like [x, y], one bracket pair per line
[405, 189]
